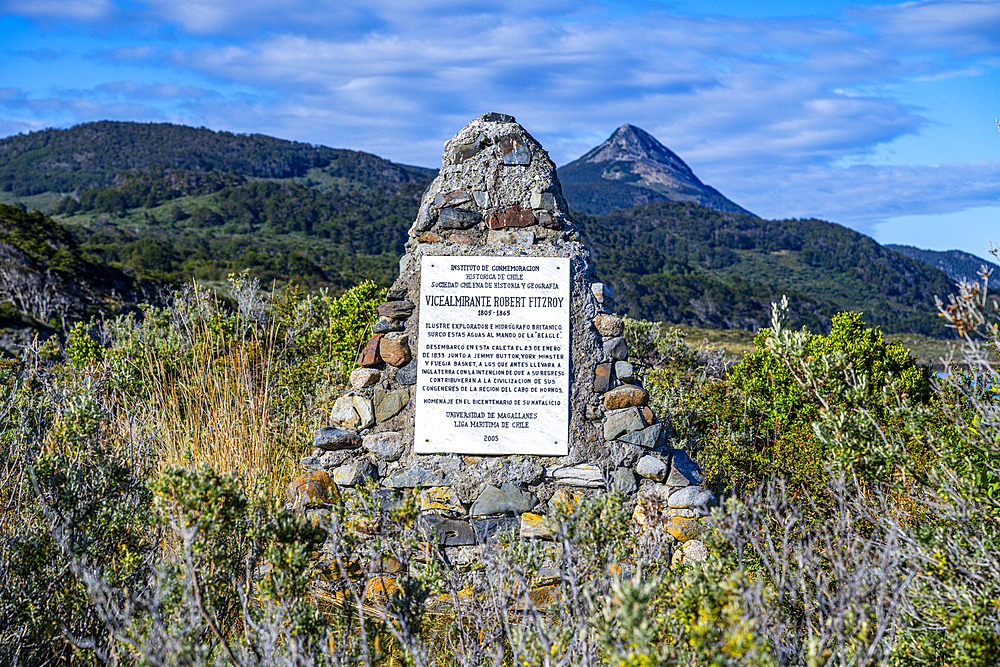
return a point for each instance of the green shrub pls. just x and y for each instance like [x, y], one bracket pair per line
[773, 398]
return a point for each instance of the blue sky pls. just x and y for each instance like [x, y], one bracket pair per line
[879, 116]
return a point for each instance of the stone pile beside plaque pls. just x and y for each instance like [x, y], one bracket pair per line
[497, 378]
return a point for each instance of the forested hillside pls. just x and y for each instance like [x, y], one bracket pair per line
[957, 264]
[682, 262]
[173, 203]
[95, 154]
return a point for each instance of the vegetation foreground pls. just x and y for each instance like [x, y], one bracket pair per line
[143, 472]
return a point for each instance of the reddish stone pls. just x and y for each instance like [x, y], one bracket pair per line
[648, 415]
[461, 239]
[515, 216]
[395, 350]
[397, 310]
[625, 396]
[369, 355]
[312, 488]
[453, 198]
[602, 378]
[428, 238]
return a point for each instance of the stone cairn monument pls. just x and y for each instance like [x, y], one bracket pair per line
[497, 378]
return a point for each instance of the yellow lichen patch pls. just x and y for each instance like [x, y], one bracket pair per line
[380, 589]
[441, 499]
[684, 529]
[543, 595]
[536, 525]
[313, 488]
[564, 501]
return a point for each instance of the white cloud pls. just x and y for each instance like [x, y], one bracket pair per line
[764, 110]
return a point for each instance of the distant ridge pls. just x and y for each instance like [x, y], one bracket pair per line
[957, 264]
[633, 168]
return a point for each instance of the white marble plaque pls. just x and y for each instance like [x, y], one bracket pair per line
[493, 371]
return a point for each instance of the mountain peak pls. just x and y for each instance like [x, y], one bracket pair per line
[631, 167]
[633, 144]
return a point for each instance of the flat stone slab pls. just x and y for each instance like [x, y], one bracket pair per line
[648, 437]
[691, 496]
[584, 475]
[447, 532]
[508, 498]
[354, 473]
[489, 529]
[683, 470]
[386, 446]
[620, 422]
[331, 438]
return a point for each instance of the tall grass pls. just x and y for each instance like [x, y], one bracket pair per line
[223, 409]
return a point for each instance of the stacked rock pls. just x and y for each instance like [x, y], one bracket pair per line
[497, 195]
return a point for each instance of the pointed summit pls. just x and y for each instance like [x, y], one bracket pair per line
[633, 168]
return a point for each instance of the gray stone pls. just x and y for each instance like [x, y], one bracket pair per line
[623, 481]
[489, 529]
[453, 198]
[514, 150]
[594, 412]
[692, 551]
[387, 499]
[407, 375]
[616, 347]
[397, 310]
[352, 412]
[458, 218]
[689, 512]
[602, 292]
[516, 237]
[424, 221]
[683, 470]
[649, 437]
[691, 497]
[494, 117]
[652, 468]
[624, 371]
[326, 460]
[364, 377]
[543, 200]
[608, 325]
[508, 498]
[447, 532]
[387, 325]
[465, 151]
[482, 198]
[330, 438]
[396, 293]
[412, 477]
[392, 404]
[620, 422]
[584, 475]
[404, 262]
[387, 446]
[354, 473]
